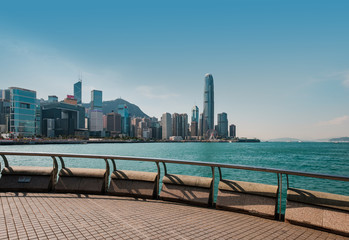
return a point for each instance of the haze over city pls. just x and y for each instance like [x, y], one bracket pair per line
[280, 67]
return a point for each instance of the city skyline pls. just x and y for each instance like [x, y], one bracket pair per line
[280, 68]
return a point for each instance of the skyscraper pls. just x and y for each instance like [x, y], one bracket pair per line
[96, 113]
[77, 91]
[166, 122]
[96, 100]
[222, 125]
[232, 131]
[195, 114]
[194, 121]
[208, 113]
[125, 119]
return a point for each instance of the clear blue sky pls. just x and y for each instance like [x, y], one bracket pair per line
[281, 68]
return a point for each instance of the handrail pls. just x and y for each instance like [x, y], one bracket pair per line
[197, 163]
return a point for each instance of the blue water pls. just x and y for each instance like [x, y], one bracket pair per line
[326, 158]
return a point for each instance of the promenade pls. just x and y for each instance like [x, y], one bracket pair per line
[80, 216]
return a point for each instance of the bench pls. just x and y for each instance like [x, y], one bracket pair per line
[82, 180]
[253, 198]
[134, 184]
[187, 189]
[28, 179]
[318, 209]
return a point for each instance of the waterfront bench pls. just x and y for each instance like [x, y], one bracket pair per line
[82, 180]
[28, 178]
[253, 198]
[318, 209]
[134, 184]
[189, 189]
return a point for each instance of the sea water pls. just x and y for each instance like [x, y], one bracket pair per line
[325, 158]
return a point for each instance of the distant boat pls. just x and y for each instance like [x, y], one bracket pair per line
[254, 140]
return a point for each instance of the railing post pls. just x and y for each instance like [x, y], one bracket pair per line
[165, 168]
[211, 196]
[157, 181]
[114, 165]
[5, 161]
[106, 176]
[55, 172]
[62, 162]
[220, 174]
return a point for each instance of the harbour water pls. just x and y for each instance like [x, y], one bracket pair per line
[326, 158]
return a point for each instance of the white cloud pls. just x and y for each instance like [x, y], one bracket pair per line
[336, 121]
[156, 92]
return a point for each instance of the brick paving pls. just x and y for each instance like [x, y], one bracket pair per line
[72, 216]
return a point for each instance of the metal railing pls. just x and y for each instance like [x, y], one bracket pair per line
[212, 165]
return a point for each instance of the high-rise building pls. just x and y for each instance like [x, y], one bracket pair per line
[114, 123]
[23, 111]
[166, 123]
[194, 121]
[77, 91]
[232, 131]
[208, 113]
[125, 119]
[96, 100]
[96, 113]
[201, 120]
[183, 125]
[222, 125]
[195, 114]
[62, 119]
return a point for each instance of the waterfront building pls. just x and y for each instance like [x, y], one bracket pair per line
[5, 111]
[96, 100]
[175, 124]
[125, 119]
[23, 107]
[222, 125]
[232, 131]
[208, 113]
[166, 123]
[156, 130]
[62, 119]
[96, 114]
[77, 91]
[114, 124]
[180, 125]
[201, 133]
[194, 129]
[134, 126]
[195, 114]
[194, 121]
[52, 98]
[70, 100]
[184, 128]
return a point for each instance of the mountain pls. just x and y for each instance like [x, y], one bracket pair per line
[340, 139]
[109, 106]
[284, 140]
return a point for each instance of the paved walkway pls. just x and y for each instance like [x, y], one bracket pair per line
[71, 216]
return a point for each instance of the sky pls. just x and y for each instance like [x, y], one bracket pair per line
[280, 68]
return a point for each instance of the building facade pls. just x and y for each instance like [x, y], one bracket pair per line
[208, 112]
[222, 125]
[166, 123]
[232, 131]
[96, 113]
[114, 124]
[77, 91]
[23, 110]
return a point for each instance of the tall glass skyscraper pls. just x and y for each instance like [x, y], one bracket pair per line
[77, 91]
[208, 113]
[23, 110]
[195, 114]
[96, 100]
